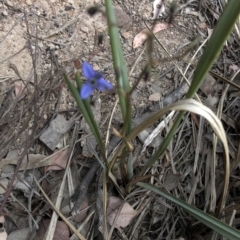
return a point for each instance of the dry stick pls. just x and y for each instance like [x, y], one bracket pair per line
[109, 125]
[227, 173]
[30, 139]
[83, 224]
[81, 190]
[182, 89]
[199, 142]
[169, 55]
[18, 20]
[105, 203]
[52, 226]
[136, 62]
[59, 213]
[4, 60]
[225, 80]
[196, 180]
[174, 96]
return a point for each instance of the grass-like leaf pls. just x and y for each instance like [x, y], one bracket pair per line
[218, 38]
[119, 67]
[85, 107]
[208, 220]
[214, 46]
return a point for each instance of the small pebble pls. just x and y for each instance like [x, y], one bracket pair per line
[68, 8]
[29, 2]
[4, 13]
[9, 3]
[155, 97]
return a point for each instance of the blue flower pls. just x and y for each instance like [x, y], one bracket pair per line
[95, 80]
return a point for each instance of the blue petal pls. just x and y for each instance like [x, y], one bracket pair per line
[88, 71]
[86, 90]
[103, 85]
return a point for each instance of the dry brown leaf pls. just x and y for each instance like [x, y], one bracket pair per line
[33, 161]
[61, 231]
[209, 85]
[60, 161]
[142, 36]
[82, 212]
[127, 213]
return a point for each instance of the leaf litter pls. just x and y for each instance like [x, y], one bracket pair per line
[119, 213]
[26, 114]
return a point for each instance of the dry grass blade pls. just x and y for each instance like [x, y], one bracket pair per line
[170, 57]
[105, 200]
[51, 228]
[195, 107]
[219, 131]
[60, 214]
[73, 237]
[219, 114]
[140, 218]
[157, 130]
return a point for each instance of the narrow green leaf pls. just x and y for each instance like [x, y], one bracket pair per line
[78, 80]
[86, 110]
[219, 36]
[79, 101]
[119, 66]
[208, 220]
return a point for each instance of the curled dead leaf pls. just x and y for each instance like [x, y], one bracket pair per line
[82, 212]
[60, 161]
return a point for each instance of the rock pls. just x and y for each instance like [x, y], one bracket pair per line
[68, 8]
[202, 25]
[143, 135]
[121, 17]
[126, 35]
[155, 142]
[96, 67]
[9, 3]
[53, 134]
[29, 2]
[4, 13]
[169, 75]
[155, 97]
